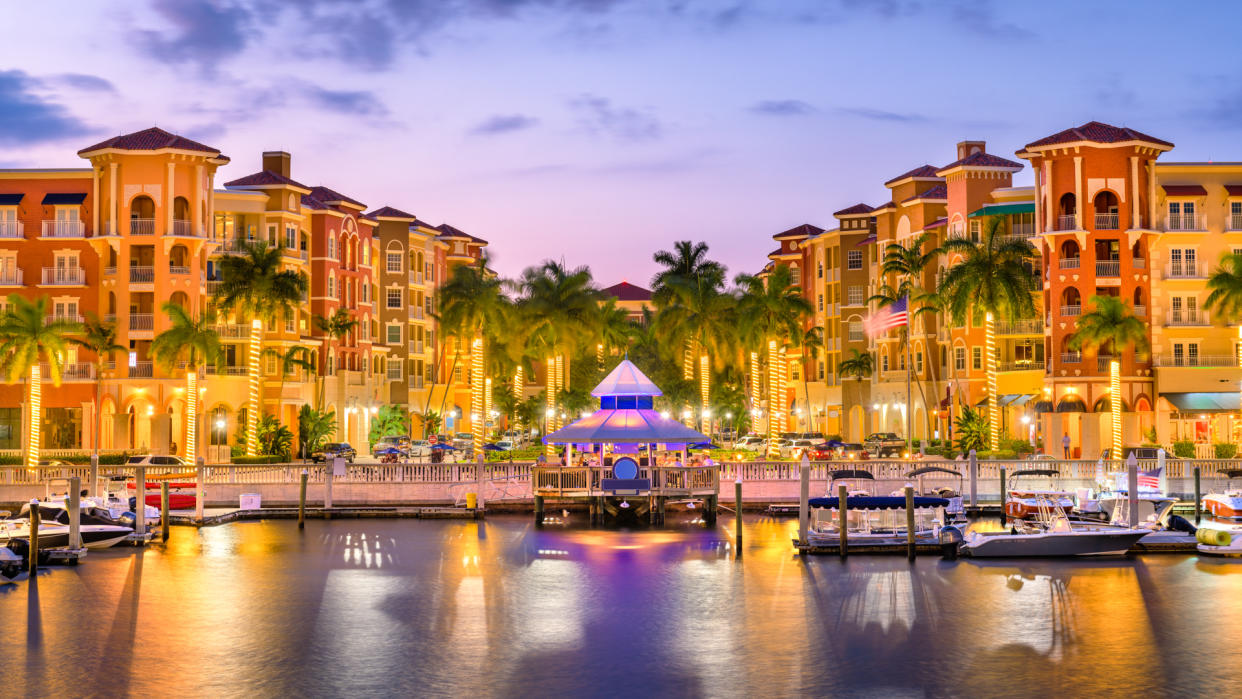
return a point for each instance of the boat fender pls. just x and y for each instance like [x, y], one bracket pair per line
[1179, 523]
[1214, 537]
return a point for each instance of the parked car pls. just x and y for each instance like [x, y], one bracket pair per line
[793, 448]
[750, 441]
[505, 445]
[462, 440]
[155, 460]
[822, 452]
[885, 444]
[419, 448]
[332, 450]
[852, 452]
[399, 442]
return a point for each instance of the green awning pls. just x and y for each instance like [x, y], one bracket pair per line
[1225, 401]
[1004, 209]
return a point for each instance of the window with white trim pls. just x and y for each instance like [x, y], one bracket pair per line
[918, 361]
[959, 358]
[394, 369]
[884, 361]
[976, 358]
[1185, 354]
[394, 334]
[821, 303]
[855, 295]
[393, 262]
[854, 259]
[331, 286]
[331, 247]
[394, 298]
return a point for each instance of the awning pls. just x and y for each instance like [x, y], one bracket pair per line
[1234, 190]
[1071, 404]
[865, 241]
[11, 199]
[1021, 399]
[1226, 401]
[1043, 406]
[1184, 190]
[1004, 209]
[64, 198]
[1014, 399]
[625, 427]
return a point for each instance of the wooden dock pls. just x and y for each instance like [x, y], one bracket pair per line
[332, 513]
[644, 497]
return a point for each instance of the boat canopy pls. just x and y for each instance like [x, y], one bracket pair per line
[1232, 473]
[1036, 472]
[879, 502]
[932, 469]
[849, 473]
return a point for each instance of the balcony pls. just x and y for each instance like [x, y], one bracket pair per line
[64, 229]
[1032, 326]
[141, 322]
[293, 253]
[142, 226]
[1107, 222]
[233, 331]
[236, 246]
[174, 269]
[65, 318]
[1071, 311]
[1108, 268]
[141, 370]
[141, 275]
[1181, 319]
[1104, 362]
[1185, 222]
[12, 229]
[78, 371]
[1070, 262]
[1022, 230]
[1234, 221]
[354, 378]
[226, 370]
[1140, 263]
[1184, 270]
[11, 277]
[63, 276]
[183, 228]
[1195, 360]
[1140, 311]
[1071, 357]
[212, 286]
[1067, 222]
[416, 312]
[1021, 365]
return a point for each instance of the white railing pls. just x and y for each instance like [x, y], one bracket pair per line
[1021, 365]
[1203, 360]
[1187, 320]
[141, 370]
[65, 318]
[1140, 311]
[64, 229]
[183, 228]
[12, 229]
[1107, 221]
[1235, 222]
[142, 226]
[1067, 222]
[1104, 362]
[1108, 268]
[1183, 270]
[1184, 222]
[1022, 230]
[79, 371]
[176, 269]
[11, 277]
[141, 275]
[226, 370]
[233, 331]
[1071, 357]
[63, 276]
[1071, 311]
[1140, 263]
[1030, 326]
[293, 252]
[141, 321]
[1070, 262]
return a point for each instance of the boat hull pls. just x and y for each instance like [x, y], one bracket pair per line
[1223, 506]
[93, 536]
[1052, 544]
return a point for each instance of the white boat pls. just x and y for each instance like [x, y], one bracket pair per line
[1222, 543]
[1052, 534]
[54, 529]
[1226, 504]
[1024, 501]
[13, 568]
[870, 519]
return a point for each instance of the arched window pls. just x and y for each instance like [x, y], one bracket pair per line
[1071, 302]
[1106, 210]
[180, 299]
[1066, 212]
[142, 216]
[181, 209]
[179, 260]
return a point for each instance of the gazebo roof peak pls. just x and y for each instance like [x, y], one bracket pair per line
[626, 380]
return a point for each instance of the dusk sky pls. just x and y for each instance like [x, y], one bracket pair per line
[599, 131]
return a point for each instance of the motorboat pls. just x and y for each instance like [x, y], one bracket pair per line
[1104, 504]
[952, 494]
[1023, 502]
[1051, 533]
[176, 500]
[96, 532]
[13, 567]
[871, 519]
[1226, 504]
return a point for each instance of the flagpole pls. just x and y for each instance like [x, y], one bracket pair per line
[909, 407]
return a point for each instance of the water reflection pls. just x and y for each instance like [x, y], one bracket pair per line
[439, 608]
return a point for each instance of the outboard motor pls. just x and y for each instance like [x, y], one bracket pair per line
[20, 547]
[1179, 523]
[127, 519]
[951, 538]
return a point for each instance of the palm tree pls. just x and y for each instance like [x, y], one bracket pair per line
[811, 342]
[700, 316]
[314, 428]
[616, 330]
[471, 302]
[289, 360]
[336, 327]
[389, 420]
[99, 338]
[686, 263]
[254, 286]
[775, 308]
[28, 335]
[859, 365]
[991, 281]
[1111, 326]
[195, 340]
[1225, 284]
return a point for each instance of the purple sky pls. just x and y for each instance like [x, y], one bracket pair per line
[599, 131]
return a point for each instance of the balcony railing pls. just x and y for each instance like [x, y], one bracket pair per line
[1070, 262]
[1184, 222]
[142, 226]
[77, 371]
[233, 331]
[416, 312]
[1022, 230]
[211, 286]
[63, 276]
[1235, 222]
[1140, 263]
[1184, 270]
[11, 277]
[141, 275]
[64, 229]
[141, 321]
[236, 246]
[1181, 360]
[65, 318]
[12, 229]
[141, 370]
[1108, 268]
[293, 253]
[1107, 221]
[1071, 357]
[1067, 222]
[1068, 311]
[226, 370]
[1187, 320]
[183, 228]
[1104, 362]
[1140, 311]
[175, 269]
[1021, 365]
[1032, 326]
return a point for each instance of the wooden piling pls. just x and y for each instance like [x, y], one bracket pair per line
[1003, 495]
[737, 503]
[34, 537]
[843, 494]
[164, 511]
[910, 523]
[74, 503]
[93, 476]
[1132, 476]
[140, 500]
[302, 500]
[1198, 498]
[199, 485]
[329, 467]
[974, 475]
[538, 510]
[804, 497]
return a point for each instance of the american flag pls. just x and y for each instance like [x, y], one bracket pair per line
[1149, 479]
[891, 316]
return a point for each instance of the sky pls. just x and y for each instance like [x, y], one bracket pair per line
[600, 131]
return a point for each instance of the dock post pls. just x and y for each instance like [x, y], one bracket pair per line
[302, 499]
[1198, 498]
[1132, 475]
[737, 503]
[164, 511]
[910, 523]
[481, 481]
[140, 500]
[842, 519]
[93, 475]
[974, 476]
[327, 489]
[34, 536]
[1002, 494]
[538, 510]
[74, 503]
[804, 497]
[199, 489]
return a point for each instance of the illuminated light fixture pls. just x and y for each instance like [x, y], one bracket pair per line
[994, 412]
[36, 416]
[191, 420]
[374, 410]
[221, 424]
[625, 504]
[664, 414]
[704, 382]
[252, 415]
[1114, 384]
[478, 388]
[150, 411]
[729, 416]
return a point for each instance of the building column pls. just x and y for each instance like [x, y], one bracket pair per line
[1151, 194]
[197, 214]
[1079, 203]
[96, 173]
[168, 202]
[1039, 208]
[1050, 211]
[112, 204]
[1134, 193]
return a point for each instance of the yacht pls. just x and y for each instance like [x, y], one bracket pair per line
[1226, 504]
[1051, 533]
[871, 519]
[96, 532]
[1022, 501]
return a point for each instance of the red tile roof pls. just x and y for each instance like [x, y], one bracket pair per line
[448, 231]
[626, 291]
[885, 205]
[1184, 190]
[153, 138]
[926, 171]
[806, 230]
[310, 202]
[853, 210]
[937, 192]
[263, 179]
[938, 223]
[328, 195]
[390, 212]
[1097, 132]
[981, 160]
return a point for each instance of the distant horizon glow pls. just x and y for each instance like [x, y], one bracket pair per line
[598, 132]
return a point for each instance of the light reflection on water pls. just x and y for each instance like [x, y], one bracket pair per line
[402, 607]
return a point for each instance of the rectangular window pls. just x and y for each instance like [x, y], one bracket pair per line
[394, 369]
[270, 368]
[918, 362]
[856, 295]
[394, 334]
[974, 230]
[819, 270]
[959, 358]
[393, 263]
[976, 358]
[883, 362]
[821, 303]
[853, 259]
[394, 298]
[291, 237]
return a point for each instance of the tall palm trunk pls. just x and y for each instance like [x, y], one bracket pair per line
[705, 386]
[99, 366]
[994, 411]
[34, 399]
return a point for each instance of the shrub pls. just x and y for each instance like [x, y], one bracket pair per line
[1185, 449]
[253, 460]
[1226, 451]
